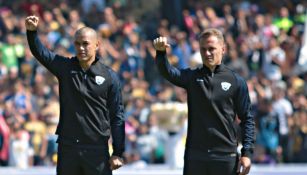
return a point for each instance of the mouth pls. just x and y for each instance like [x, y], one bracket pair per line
[82, 56]
[209, 59]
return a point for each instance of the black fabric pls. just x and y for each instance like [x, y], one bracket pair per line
[212, 167]
[91, 108]
[82, 160]
[214, 100]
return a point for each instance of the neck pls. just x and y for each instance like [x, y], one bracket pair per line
[86, 64]
[212, 68]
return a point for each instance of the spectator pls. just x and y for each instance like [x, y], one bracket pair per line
[4, 142]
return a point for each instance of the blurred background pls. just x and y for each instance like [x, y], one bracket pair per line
[265, 44]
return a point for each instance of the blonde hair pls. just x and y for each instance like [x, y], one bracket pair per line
[212, 32]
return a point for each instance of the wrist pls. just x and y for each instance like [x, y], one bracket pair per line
[117, 157]
[32, 29]
[161, 50]
[29, 30]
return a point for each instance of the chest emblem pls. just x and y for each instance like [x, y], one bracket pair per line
[99, 80]
[225, 86]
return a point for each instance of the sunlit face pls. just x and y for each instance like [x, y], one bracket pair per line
[86, 44]
[211, 50]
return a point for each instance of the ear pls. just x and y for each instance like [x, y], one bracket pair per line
[224, 49]
[97, 45]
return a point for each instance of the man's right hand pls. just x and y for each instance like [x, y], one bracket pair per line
[160, 44]
[31, 23]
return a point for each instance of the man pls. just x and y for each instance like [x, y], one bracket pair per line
[91, 107]
[215, 96]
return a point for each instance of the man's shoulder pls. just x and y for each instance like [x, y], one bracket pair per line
[232, 72]
[233, 77]
[105, 68]
[196, 68]
[66, 60]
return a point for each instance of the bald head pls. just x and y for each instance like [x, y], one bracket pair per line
[87, 31]
[86, 44]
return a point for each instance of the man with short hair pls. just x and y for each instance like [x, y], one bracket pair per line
[216, 95]
[91, 108]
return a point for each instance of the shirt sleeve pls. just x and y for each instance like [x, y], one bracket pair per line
[243, 109]
[116, 112]
[178, 77]
[43, 54]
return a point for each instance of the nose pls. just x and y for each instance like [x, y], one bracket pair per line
[81, 47]
[206, 52]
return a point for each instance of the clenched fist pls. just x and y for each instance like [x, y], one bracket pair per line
[161, 44]
[116, 162]
[31, 23]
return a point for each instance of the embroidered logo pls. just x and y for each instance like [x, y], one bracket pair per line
[73, 72]
[99, 80]
[225, 86]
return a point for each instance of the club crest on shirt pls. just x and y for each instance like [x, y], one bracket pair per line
[225, 86]
[99, 80]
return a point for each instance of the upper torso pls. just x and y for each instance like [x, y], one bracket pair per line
[214, 100]
[89, 99]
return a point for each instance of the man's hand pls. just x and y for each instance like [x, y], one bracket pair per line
[160, 44]
[244, 165]
[116, 162]
[31, 23]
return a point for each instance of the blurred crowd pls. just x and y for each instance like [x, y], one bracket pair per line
[264, 45]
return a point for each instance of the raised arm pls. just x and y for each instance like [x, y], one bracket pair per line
[40, 52]
[172, 74]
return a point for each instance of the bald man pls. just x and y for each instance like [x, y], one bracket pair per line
[91, 108]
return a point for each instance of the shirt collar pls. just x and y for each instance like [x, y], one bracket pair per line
[218, 68]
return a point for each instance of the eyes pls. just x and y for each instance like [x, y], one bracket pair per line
[210, 49]
[84, 43]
